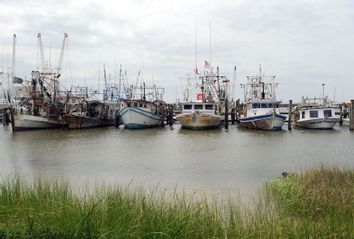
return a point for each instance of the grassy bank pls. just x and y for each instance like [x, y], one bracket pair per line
[316, 204]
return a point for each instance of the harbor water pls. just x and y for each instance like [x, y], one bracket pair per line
[236, 161]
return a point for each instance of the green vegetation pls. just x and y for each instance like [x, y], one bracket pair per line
[314, 204]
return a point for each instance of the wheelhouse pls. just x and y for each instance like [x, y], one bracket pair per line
[200, 106]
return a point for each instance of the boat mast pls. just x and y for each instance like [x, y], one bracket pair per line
[120, 82]
[210, 42]
[105, 82]
[13, 68]
[233, 84]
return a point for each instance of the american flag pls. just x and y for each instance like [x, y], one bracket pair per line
[207, 65]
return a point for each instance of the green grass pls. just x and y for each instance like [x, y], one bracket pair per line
[313, 204]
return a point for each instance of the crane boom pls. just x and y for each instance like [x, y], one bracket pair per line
[61, 57]
[41, 52]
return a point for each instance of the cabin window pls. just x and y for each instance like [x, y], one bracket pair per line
[209, 107]
[140, 105]
[144, 105]
[255, 105]
[313, 114]
[187, 107]
[264, 105]
[135, 104]
[198, 107]
[303, 114]
[327, 113]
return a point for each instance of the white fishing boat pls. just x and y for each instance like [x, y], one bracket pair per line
[261, 107]
[316, 113]
[31, 122]
[44, 108]
[199, 115]
[203, 111]
[143, 109]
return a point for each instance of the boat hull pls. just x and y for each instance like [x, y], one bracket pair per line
[264, 122]
[199, 121]
[23, 122]
[320, 123]
[83, 122]
[137, 118]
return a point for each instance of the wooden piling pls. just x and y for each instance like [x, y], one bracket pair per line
[290, 114]
[238, 110]
[351, 116]
[12, 119]
[226, 114]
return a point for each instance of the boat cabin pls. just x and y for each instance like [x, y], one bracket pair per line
[316, 113]
[255, 108]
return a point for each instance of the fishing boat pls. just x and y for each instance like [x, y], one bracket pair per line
[316, 113]
[199, 115]
[44, 109]
[261, 109]
[202, 101]
[90, 114]
[144, 108]
[83, 110]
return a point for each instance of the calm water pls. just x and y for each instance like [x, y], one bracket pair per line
[219, 161]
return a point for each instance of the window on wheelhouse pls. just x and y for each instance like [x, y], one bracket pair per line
[209, 107]
[198, 107]
[313, 114]
[255, 106]
[187, 107]
[327, 113]
[135, 104]
[264, 105]
[303, 114]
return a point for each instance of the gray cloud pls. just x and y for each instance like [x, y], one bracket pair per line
[303, 42]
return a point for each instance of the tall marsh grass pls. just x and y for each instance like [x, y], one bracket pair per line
[314, 204]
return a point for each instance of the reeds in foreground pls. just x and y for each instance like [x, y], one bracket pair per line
[313, 204]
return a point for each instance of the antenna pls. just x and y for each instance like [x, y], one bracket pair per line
[210, 42]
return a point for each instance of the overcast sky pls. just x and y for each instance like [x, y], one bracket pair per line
[303, 42]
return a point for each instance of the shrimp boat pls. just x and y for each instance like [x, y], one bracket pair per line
[261, 107]
[203, 112]
[83, 111]
[316, 113]
[144, 108]
[44, 108]
[90, 114]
